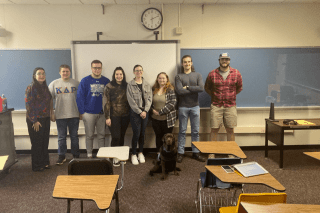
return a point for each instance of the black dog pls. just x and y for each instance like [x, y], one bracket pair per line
[168, 155]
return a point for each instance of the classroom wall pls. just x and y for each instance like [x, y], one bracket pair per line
[226, 25]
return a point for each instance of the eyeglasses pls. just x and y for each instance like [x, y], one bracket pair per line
[96, 68]
[43, 74]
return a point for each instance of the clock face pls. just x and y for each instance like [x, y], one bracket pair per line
[151, 18]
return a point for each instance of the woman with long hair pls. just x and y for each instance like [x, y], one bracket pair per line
[38, 102]
[139, 96]
[116, 108]
[163, 108]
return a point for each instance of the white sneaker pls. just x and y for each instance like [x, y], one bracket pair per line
[141, 158]
[211, 156]
[89, 155]
[134, 160]
[116, 162]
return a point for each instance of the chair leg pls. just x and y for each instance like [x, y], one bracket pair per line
[81, 203]
[68, 208]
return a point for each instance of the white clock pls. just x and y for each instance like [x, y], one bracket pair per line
[151, 18]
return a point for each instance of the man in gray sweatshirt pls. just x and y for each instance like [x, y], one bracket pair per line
[188, 84]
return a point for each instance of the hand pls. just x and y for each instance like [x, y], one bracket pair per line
[53, 117]
[155, 112]
[108, 122]
[36, 126]
[143, 115]
[80, 117]
[185, 87]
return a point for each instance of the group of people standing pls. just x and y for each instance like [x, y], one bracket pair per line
[99, 102]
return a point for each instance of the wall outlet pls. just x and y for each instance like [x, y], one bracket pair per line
[178, 30]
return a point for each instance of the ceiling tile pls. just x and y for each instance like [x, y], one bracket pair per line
[132, 1]
[267, 1]
[63, 1]
[5, 2]
[29, 2]
[233, 1]
[98, 1]
[166, 1]
[199, 1]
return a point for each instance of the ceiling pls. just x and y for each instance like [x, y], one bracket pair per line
[87, 2]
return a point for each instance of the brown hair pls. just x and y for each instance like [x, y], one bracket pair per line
[181, 68]
[156, 85]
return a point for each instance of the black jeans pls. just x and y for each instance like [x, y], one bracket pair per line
[118, 129]
[139, 126]
[39, 143]
[160, 128]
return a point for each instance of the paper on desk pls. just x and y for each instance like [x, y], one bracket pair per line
[304, 122]
[3, 160]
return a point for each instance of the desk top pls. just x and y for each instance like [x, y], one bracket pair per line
[315, 155]
[99, 188]
[120, 152]
[279, 207]
[220, 147]
[266, 179]
[3, 160]
[316, 122]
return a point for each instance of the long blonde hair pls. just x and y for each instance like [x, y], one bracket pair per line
[156, 85]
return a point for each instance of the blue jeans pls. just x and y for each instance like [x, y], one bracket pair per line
[73, 125]
[184, 114]
[139, 126]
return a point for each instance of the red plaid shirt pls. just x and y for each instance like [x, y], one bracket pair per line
[223, 92]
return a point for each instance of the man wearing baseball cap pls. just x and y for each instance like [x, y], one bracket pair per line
[223, 84]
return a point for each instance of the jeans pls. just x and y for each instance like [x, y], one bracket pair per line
[62, 126]
[184, 113]
[160, 128]
[139, 126]
[39, 143]
[118, 129]
[92, 121]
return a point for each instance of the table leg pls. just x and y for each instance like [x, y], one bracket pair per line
[122, 174]
[266, 140]
[281, 148]
[68, 209]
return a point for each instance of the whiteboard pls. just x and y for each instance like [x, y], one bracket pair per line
[154, 56]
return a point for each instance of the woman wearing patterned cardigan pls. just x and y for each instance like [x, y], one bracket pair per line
[38, 102]
[163, 108]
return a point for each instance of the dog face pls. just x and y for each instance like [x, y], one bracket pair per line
[169, 141]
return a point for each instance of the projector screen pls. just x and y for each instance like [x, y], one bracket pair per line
[154, 56]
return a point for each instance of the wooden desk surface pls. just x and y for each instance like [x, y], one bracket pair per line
[99, 188]
[3, 160]
[315, 155]
[279, 208]
[220, 147]
[316, 122]
[120, 152]
[266, 179]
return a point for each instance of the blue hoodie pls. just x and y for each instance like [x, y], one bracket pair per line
[90, 93]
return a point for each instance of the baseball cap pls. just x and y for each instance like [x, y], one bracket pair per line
[224, 55]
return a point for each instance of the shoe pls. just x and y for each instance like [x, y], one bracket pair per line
[116, 162]
[211, 156]
[61, 160]
[47, 167]
[89, 155]
[141, 158]
[38, 170]
[198, 157]
[179, 158]
[134, 160]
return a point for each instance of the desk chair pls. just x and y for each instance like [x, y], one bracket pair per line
[209, 182]
[256, 197]
[80, 166]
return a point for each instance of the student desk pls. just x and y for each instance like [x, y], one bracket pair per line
[315, 155]
[275, 133]
[265, 179]
[253, 207]
[99, 188]
[120, 152]
[220, 147]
